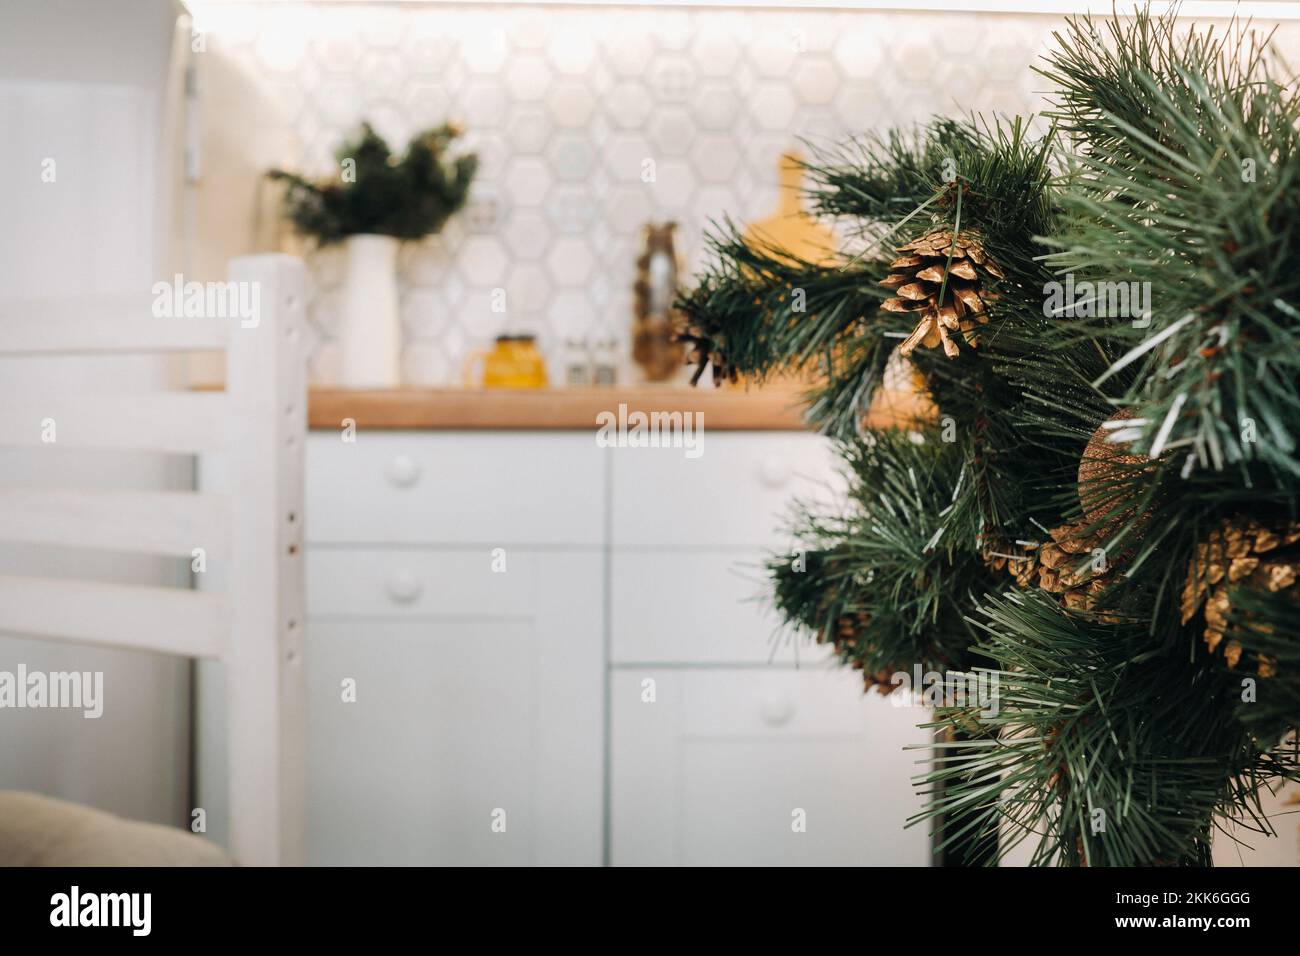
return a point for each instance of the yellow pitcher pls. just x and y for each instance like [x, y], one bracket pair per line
[513, 362]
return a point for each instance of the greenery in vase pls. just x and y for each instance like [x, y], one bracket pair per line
[1105, 515]
[379, 193]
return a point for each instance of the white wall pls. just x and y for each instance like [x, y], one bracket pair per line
[92, 85]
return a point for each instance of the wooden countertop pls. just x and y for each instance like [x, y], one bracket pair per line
[725, 409]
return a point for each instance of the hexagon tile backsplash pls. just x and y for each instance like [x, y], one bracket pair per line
[563, 106]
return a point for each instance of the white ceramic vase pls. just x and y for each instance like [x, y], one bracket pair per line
[370, 332]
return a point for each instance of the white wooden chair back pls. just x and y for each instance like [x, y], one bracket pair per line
[259, 423]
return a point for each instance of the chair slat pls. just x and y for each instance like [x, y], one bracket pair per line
[176, 422]
[135, 522]
[86, 325]
[167, 620]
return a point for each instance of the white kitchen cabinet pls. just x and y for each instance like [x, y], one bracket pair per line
[479, 691]
[467, 712]
[772, 766]
[498, 488]
[698, 606]
[737, 493]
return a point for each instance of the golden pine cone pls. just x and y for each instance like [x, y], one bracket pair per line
[959, 306]
[1240, 553]
[1102, 472]
[1057, 565]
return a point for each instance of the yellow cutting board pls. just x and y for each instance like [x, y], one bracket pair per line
[790, 227]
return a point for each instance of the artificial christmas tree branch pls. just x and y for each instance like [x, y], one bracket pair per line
[1104, 509]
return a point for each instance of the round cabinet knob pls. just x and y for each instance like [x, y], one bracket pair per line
[774, 471]
[403, 471]
[776, 709]
[403, 587]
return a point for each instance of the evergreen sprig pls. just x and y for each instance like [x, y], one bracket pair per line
[378, 193]
[1173, 162]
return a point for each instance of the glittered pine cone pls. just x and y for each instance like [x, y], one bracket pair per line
[948, 297]
[1240, 553]
[1058, 565]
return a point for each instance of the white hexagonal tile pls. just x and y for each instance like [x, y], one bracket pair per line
[392, 122]
[527, 180]
[859, 53]
[572, 314]
[815, 80]
[572, 210]
[628, 49]
[673, 77]
[628, 208]
[903, 55]
[674, 182]
[528, 128]
[818, 125]
[571, 103]
[570, 261]
[427, 365]
[382, 74]
[337, 52]
[772, 106]
[424, 263]
[571, 51]
[572, 157]
[717, 202]
[672, 131]
[626, 155]
[716, 50]
[527, 234]
[530, 30]
[716, 106]
[482, 260]
[453, 288]
[673, 28]
[492, 151]
[528, 77]
[325, 310]
[454, 342]
[483, 43]
[628, 104]
[528, 289]
[773, 51]
[857, 106]
[383, 25]
[424, 313]
[429, 49]
[716, 158]
[483, 212]
[328, 265]
[339, 103]
[326, 364]
[428, 102]
[483, 104]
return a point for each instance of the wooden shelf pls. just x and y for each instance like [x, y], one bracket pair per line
[572, 409]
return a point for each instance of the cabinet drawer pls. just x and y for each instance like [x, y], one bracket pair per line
[698, 606]
[358, 582]
[717, 769]
[737, 493]
[496, 488]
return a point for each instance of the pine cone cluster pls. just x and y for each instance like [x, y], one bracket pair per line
[1057, 566]
[848, 630]
[701, 351]
[1239, 554]
[945, 310]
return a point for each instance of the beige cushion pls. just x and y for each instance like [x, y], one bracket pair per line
[42, 831]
